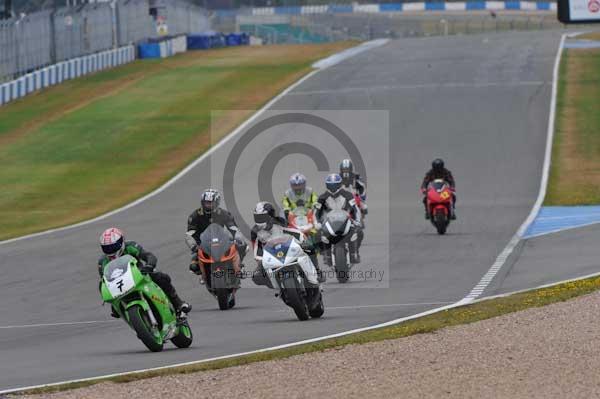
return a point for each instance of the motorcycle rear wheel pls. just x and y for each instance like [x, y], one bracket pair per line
[441, 222]
[223, 298]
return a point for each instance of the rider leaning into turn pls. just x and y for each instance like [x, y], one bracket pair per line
[438, 171]
[267, 225]
[113, 244]
[201, 218]
[335, 198]
[298, 194]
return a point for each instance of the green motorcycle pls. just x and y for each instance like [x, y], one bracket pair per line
[143, 305]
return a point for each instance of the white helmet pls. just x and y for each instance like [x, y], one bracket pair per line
[112, 242]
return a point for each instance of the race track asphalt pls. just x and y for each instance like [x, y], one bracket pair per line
[481, 102]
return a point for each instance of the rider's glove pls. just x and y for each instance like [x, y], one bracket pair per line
[308, 248]
[146, 269]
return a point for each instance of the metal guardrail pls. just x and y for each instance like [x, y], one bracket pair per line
[44, 38]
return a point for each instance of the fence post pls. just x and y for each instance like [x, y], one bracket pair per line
[53, 33]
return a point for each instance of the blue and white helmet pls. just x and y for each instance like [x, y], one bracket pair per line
[298, 183]
[333, 182]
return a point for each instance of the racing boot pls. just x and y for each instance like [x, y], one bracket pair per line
[114, 313]
[195, 267]
[180, 306]
[259, 277]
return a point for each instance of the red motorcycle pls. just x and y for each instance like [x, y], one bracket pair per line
[439, 204]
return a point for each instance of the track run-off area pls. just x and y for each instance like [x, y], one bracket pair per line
[481, 102]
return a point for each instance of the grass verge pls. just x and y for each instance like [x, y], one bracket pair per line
[575, 169]
[461, 315]
[590, 36]
[66, 151]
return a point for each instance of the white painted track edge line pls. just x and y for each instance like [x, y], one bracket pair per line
[175, 178]
[466, 300]
[462, 302]
[363, 47]
[66, 323]
[269, 349]
[514, 241]
[538, 287]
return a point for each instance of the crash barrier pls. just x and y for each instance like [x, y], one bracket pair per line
[162, 48]
[76, 67]
[34, 41]
[398, 7]
[206, 40]
[283, 33]
[66, 70]
[237, 39]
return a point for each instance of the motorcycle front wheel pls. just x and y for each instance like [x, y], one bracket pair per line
[141, 324]
[294, 298]
[341, 264]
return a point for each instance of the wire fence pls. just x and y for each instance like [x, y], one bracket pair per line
[47, 37]
[367, 27]
[331, 27]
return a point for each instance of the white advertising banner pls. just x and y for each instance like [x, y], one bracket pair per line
[584, 10]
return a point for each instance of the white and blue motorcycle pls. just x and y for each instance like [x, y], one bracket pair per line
[293, 275]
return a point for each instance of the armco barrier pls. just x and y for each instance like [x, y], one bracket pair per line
[162, 48]
[69, 69]
[206, 40]
[404, 7]
[237, 39]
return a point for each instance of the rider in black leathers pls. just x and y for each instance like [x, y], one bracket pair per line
[438, 171]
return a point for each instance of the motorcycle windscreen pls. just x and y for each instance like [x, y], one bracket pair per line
[118, 276]
[438, 185]
[215, 241]
[337, 220]
[117, 268]
[278, 247]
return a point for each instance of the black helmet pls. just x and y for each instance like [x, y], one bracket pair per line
[210, 200]
[264, 213]
[346, 169]
[438, 164]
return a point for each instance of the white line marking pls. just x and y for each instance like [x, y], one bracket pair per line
[183, 172]
[348, 53]
[67, 323]
[464, 301]
[419, 86]
[273, 348]
[176, 177]
[390, 305]
[501, 259]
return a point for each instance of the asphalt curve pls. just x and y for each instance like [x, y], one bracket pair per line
[481, 102]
